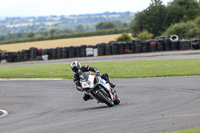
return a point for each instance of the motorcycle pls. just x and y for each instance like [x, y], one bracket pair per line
[97, 88]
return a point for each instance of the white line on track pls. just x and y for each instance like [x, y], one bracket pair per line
[187, 115]
[27, 79]
[4, 113]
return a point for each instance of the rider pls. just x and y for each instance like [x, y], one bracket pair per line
[76, 67]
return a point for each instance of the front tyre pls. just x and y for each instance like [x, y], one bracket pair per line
[104, 98]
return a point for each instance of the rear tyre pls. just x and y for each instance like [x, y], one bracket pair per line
[105, 99]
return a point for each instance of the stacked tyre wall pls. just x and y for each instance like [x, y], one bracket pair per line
[102, 49]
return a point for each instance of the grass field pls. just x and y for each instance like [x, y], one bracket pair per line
[60, 42]
[187, 131]
[126, 69]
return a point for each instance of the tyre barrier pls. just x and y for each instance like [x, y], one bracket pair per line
[160, 45]
[111, 48]
[33, 53]
[83, 50]
[101, 49]
[115, 48]
[195, 43]
[108, 49]
[121, 47]
[54, 53]
[127, 48]
[95, 51]
[77, 52]
[138, 46]
[59, 53]
[145, 46]
[71, 52]
[90, 51]
[184, 44]
[153, 45]
[65, 52]
[174, 42]
[167, 44]
[133, 46]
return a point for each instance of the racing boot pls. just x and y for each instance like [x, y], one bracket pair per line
[111, 84]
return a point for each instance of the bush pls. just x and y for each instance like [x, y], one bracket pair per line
[184, 30]
[125, 37]
[145, 35]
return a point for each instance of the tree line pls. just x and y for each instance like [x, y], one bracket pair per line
[181, 17]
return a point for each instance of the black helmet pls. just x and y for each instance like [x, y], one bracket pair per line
[75, 65]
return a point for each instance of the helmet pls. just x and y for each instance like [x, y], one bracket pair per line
[75, 66]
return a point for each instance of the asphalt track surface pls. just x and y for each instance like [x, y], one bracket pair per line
[148, 105]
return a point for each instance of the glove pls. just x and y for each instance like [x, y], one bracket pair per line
[79, 88]
[98, 74]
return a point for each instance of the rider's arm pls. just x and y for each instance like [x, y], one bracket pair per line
[89, 68]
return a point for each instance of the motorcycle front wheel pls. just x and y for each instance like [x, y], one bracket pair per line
[104, 98]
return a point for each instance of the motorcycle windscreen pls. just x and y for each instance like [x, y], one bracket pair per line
[86, 75]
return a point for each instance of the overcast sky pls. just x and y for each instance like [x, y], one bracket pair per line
[15, 8]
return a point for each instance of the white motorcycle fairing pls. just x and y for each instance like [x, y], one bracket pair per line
[101, 83]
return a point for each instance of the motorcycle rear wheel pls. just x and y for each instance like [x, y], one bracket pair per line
[104, 98]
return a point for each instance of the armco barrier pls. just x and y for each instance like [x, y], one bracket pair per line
[111, 48]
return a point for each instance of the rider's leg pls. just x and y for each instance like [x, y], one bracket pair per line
[105, 77]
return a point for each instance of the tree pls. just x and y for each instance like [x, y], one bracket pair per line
[105, 25]
[80, 28]
[183, 10]
[158, 17]
[152, 19]
[30, 34]
[52, 32]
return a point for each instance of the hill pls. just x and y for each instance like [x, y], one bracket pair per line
[65, 24]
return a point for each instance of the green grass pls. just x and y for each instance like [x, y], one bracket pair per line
[125, 69]
[187, 131]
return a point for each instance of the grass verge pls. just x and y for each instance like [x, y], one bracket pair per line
[187, 131]
[125, 69]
